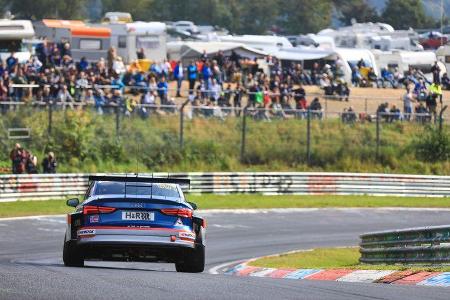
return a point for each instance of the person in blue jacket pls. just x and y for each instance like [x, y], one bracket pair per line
[192, 75]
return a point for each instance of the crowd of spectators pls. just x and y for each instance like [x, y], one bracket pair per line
[216, 84]
[24, 162]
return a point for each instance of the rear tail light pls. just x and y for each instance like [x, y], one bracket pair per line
[89, 210]
[180, 212]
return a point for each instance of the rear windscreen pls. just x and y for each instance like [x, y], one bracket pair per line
[136, 188]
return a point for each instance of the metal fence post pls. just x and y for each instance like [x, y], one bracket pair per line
[378, 136]
[308, 137]
[50, 117]
[117, 121]
[441, 120]
[182, 123]
[365, 106]
[244, 129]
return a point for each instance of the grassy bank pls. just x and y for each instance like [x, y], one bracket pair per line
[208, 201]
[87, 142]
[331, 258]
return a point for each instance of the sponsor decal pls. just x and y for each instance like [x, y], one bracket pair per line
[94, 218]
[179, 222]
[85, 232]
[187, 235]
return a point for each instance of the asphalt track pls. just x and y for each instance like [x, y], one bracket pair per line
[31, 265]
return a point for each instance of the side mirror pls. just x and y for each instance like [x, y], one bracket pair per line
[194, 206]
[73, 202]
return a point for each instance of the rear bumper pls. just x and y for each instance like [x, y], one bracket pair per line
[147, 237]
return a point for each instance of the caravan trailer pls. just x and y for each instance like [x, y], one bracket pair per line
[403, 60]
[128, 38]
[89, 42]
[266, 43]
[12, 36]
[443, 55]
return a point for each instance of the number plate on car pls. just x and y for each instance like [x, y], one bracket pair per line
[138, 215]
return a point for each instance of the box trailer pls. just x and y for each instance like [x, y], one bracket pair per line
[12, 36]
[89, 42]
[128, 38]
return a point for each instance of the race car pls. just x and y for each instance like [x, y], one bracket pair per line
[134, 218]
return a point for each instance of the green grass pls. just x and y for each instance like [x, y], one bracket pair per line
[32, 208]
[331, 258]
[86, 142]
[235, 201]
[209, 201]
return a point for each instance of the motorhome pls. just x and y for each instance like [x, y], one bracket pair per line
[91, 43]
[12, 36]
[129, 38]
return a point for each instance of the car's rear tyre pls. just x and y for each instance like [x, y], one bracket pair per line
[72, 256]
[193, 261]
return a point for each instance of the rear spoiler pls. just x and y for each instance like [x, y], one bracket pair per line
[136, 178]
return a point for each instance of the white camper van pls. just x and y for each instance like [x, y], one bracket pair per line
[128, 38]
[12, 36]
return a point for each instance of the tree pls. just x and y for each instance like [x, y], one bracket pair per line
[359, 10]
[403, 14]
[304, 16]
[257, 17]
[32, 9]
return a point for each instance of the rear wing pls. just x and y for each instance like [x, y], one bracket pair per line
[136, 178]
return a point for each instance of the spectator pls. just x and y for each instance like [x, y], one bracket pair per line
[316, 109]
[408, 99]
[31, 164]
[436, 71]
[49, 164]
[445, 81]
[18, 159]
[348, 115]
[162, 90]
[178, 75]
[11, 62]
[422, 115]
[140, 53]
[394, 114]
[383, 111]
[192, 75]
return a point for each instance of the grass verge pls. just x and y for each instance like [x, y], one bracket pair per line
[332, 258]
[236, 201]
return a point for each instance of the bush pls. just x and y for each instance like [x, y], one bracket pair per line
[433, 146]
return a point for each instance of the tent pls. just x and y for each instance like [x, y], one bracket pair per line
[187, 51]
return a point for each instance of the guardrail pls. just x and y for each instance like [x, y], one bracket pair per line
[51, 186]
[413, 246]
